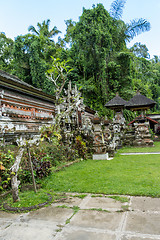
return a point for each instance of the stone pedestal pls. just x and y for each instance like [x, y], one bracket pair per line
[104, 156]
[100, 156]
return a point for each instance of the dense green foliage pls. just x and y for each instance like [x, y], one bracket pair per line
[95, 48]
[6, 161]
[51, 153]
[45, 157]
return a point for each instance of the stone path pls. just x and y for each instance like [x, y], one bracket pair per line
[91, 218]
[140, 153]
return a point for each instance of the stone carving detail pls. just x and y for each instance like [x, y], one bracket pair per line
[73, 116]
[25, 112]
[118, 129]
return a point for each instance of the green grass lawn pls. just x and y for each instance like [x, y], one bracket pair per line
[137, 175]
[155, 148]
[130, 175]
[30, 198]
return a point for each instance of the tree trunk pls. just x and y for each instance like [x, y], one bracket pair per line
[14, 169]
[30, 163]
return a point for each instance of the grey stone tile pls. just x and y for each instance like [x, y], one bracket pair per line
[73, 234]
[5, 223]
[145, 223]
[69, 201]
[139, 238]
[9, 215]
[104, 203]
[51, 213]
[96, 219]
[34, 230]
[145, 204]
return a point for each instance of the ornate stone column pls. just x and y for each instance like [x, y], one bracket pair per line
[99, 146]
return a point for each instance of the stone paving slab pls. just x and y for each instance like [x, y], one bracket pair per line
[139, 238]
[141, 153]
[83, 234]
[69, 201]
[96, 219]
[6, 215]
[51, 213]
[141, 222]
[5, 223]
[145, 204]
[103, 203]
[27, 231]
[145, 223]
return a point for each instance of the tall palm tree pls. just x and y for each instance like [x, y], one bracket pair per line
[43, 29]
[127, 30]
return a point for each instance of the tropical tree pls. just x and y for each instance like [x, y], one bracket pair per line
[127, 31]
[29, 63]
[32, 55]
[140, 50]
[58, 74]
[46, 39]
[99, 52]
[6, 49]
[43, 30]
[96, 49]
[91, 46]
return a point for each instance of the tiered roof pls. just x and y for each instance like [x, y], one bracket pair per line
[14, 83]
[139, 102]
[116, 102]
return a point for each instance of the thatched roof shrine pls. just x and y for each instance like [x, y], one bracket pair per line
[116, 103]
[139, 102]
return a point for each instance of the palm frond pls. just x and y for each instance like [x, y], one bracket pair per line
[48, 22]
[32, 29]
[116, 9]
[136, 27]
[54, 32]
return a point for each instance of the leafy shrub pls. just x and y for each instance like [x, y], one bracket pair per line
[43, 158]
[50, 134]
[41, 165]
[80, 145]
[44, 169]
[50, 152]
[6, 161]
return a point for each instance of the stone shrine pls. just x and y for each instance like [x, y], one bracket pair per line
[140, 125]
[117, 104]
